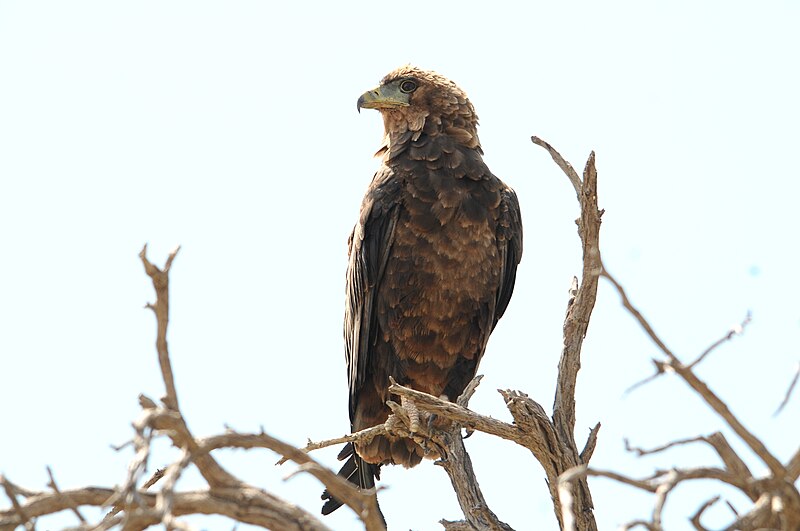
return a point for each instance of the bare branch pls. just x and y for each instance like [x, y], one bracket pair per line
[24, 517]
[576, 324]
[699, 514]
[735, 331]
[363, 503]
[701, 388]
[661, 368]
[591, 442]
[660, 481]
[160, 278]
[459, 525]
[109, 518]
[456, 413]
[793, 467]
[364, 435]
[261, 508]
[157, 475]
[733, 463]
[638, 316]
[580, 471]
[166, 496]
[565, 166]
[74, 508]
[789, 391]
[469, 390]
[458, 465]
[680, 442]
[178, 431]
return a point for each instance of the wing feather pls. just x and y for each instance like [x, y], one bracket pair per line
[370, 244]
[511, 232]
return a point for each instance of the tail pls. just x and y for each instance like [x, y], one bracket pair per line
[356, 471]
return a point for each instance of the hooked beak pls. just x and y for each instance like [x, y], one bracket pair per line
[383, 97]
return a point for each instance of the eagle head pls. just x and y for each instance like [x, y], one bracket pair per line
[416, 102]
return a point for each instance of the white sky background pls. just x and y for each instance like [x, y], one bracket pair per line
[230, 128]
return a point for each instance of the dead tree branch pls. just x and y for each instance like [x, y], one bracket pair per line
[576, 324]
[160, 278]
[134, 508]
[776, 497]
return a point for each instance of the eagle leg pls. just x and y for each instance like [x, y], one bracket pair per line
[413, 414]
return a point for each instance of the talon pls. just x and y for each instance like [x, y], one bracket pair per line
[431, 420]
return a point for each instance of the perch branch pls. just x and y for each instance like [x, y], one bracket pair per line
[365, 436]
[449, 444]
[364, 504]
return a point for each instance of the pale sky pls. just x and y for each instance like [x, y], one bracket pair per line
[230, 128]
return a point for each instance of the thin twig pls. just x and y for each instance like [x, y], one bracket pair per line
[158, 474]
[680, 442]
[638, 316]
[697, 515]
[565, 166]
[363, 436]
[24, 518]
[166, 496]
[735, 331]
[789, 391]
[661, 368]
[591, 442]
[73, 507]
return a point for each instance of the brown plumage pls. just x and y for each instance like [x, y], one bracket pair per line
[432, 265]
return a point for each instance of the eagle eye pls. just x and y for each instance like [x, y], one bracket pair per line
[408, 86]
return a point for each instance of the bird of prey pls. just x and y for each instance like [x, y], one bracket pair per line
[432, 261]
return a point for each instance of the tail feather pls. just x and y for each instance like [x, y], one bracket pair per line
[356, 471]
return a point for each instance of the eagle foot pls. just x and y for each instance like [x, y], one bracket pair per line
[413, 414]
[393, 423]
